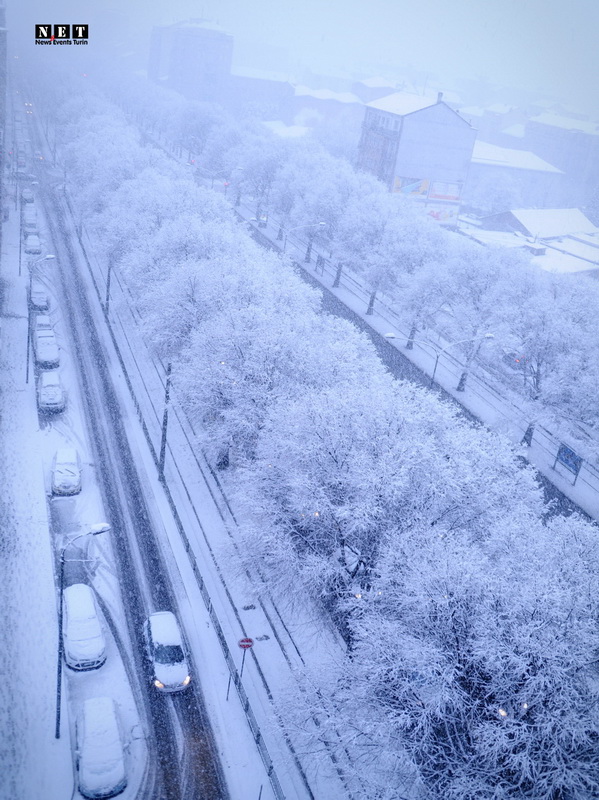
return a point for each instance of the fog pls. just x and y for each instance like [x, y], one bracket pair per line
[545, 46]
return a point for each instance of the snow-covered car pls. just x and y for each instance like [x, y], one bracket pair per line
[45, 347]
[170, 672]
[66, 471]
[50, 394]
[33, 246]
[43, 322]
[83, 637]
[101, 766]
[38, 297]
[27, 196]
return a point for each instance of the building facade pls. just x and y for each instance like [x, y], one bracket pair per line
[420, 148]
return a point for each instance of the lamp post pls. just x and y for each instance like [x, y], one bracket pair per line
[462, 382]
[101, 527]
[31, 266]
[167, 390]
[297, 227]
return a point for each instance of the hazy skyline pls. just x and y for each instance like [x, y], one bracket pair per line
[540, 45]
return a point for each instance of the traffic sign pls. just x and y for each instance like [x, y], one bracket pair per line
[245, 644]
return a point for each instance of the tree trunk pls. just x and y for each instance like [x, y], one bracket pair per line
[411, 337]
[370, 309]
[337, 280]
[308, 255]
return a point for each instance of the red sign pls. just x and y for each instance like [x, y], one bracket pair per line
[245, 644]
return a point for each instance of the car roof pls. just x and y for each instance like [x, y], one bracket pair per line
[164, 628]
[50, 377]
[81, 596]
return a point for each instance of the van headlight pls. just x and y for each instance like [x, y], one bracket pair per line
[187, 681]
[158, 684]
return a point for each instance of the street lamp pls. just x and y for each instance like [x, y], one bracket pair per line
[102, 527]
[462, 382]
[297, 227]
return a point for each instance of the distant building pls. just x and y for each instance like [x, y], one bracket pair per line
[269, 92]
[371, 89]
[193, 58]
[325, 104]
[542, 223]
[420, 148]
[495, 170]
[573, 146]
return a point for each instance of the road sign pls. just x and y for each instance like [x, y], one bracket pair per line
[245, 644]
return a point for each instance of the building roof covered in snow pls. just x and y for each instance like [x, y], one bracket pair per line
[486, 153]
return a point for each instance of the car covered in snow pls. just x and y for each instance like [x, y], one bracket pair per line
[27, 195]
[38, 297]
[166, 651]
[33, 246]
[50, 393]
[101, 766]
[83, 636]
[66, 471]
[47, 352]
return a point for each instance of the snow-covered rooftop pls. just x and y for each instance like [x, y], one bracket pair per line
[554, 261]
[499, 108]
[260, 74]
[471, 111]
[517, 130]
[327, 94]
[376, 83]
[402, 103]
[485, 153]
[568, 123]
[547, 223]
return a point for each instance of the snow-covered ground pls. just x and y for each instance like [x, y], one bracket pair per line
[43, 765]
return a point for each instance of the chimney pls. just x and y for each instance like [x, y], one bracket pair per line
[439, 97]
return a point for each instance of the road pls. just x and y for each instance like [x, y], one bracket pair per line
[171, 722]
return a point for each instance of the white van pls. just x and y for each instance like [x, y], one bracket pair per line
[29, 219]
[33, 245]
[101, 767]
[38, 296]
[45, 347]
[83, 637]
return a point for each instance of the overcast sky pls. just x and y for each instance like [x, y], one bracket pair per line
[530, 43]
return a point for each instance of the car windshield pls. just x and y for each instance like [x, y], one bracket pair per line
[168, 653]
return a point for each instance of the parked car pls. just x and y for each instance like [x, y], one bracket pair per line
[33, 246]
[83, 637]
[43, 323]
[27, 195]
[45, 347]
[50, 394]
[29, 219]
[166, 651]
[101, 766]
[66, 471]
[38, 297]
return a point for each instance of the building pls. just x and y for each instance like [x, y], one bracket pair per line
[193, 58]
[318, 104]
[501, 177]
[542, 223]
[420, 148]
